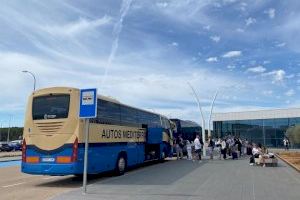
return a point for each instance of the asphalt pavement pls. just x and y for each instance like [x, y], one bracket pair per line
[209, 180]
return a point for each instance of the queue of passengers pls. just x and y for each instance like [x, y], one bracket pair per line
[227, 146]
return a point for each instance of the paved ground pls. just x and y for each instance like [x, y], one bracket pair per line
[15, 185]
[210, 180]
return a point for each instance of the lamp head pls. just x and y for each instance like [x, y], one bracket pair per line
[25, 71]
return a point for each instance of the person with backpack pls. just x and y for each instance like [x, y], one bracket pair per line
[179, 147]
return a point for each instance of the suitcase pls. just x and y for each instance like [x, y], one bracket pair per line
[234, 155]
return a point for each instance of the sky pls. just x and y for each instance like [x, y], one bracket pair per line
[144, 53]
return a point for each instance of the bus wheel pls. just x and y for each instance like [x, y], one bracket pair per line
[121, 165]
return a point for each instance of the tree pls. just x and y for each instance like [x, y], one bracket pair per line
[293, 133]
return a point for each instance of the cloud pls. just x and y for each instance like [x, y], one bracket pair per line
[174, 44]
[271, 13]
[212, 59]
[290, 92]
[258, 69]
[215, 38]
[290, 76]
[207, 27]
[277, 75]
[250, 21]
[162, 4]
[240, 30]
[268, 92]
[231, 67]
[281, 44]
[231, 54]
[76, 27]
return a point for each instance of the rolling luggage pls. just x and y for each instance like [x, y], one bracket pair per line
[234, 155]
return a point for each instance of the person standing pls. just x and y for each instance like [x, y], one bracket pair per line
[219, 147]
[189, 149]
[238, 142]
[211, 145]
[179, 147]
[223, 149]
[198, 147]
[286, 144]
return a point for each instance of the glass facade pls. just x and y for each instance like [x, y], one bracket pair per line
[269, 132]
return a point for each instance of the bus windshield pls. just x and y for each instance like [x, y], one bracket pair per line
[50, 107]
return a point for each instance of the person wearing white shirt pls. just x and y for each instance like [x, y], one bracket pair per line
[198, 147]
[223, 149]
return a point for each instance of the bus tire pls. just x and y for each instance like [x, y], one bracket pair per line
[121, 165]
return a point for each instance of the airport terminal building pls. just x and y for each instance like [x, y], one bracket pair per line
[268, 127]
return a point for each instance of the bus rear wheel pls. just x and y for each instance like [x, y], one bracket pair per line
[121, 165]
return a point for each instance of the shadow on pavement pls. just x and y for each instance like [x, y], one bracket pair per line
[151, 173]
[158, 174]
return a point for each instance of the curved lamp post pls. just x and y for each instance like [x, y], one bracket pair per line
[203, 120]
[211, 110]
[34, 80]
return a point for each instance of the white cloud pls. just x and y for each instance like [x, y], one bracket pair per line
[212, 59]
[258, 69]
[277, 75]
[290, 92]
[174, 44]
[271, 13]
[231, 54]
[230, 67]
[207, 27]
[229, 1]
[162, 4]
[243, 6]
[240, 30]
[290, 76]
[267, 92]
[215, 38]
[281, 44]
[77, 27]
[250, 21]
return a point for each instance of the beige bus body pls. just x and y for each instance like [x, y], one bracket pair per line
[50, 134]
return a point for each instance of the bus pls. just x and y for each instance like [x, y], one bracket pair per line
[187, 129]
[120, 136]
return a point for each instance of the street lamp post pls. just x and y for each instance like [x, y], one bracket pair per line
[211, 110]
[203, 120]
[34, 80]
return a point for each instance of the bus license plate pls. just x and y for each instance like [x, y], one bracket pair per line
[48, 159]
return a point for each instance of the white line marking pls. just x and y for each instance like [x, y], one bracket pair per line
[6, 186]
[51, 177]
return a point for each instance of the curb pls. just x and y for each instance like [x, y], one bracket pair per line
[290, 164]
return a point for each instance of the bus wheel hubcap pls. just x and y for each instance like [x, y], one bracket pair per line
[121, 164]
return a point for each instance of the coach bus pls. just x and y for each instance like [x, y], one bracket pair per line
[187, 129]
[119, 137]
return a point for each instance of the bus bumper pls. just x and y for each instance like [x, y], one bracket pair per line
[51, 169]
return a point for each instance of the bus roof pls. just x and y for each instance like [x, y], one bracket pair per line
[106, 98]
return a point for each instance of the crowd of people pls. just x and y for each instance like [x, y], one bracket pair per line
[224, 148]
